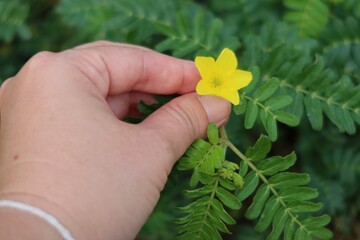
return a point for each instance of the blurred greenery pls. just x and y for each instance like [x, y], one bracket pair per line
[279, 36]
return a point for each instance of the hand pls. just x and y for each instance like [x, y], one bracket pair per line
[65, 149]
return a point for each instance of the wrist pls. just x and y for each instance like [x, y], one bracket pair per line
[29, 184]
[25, 216]
[17, 224]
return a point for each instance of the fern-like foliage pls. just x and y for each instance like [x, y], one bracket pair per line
[282, 202]
[312, 86]
[186, 36]
[344, 165]
[351, 6]
[13, 15]
[260, 100]
[138, 21]
[122, 20]
[244, 13]
[206, 215]
[337, 168]
[333, 173]
[341, 47]
[309, 16]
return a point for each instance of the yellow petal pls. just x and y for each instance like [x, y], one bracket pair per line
[205, 65]
[246, 77]
[238, 79]
[205, 88]
[230, 95]
[226, 62]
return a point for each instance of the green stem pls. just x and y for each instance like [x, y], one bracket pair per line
[223, 133]
[224, 138]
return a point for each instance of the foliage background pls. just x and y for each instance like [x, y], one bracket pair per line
[311, 46]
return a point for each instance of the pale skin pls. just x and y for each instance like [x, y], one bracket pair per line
[65, 149]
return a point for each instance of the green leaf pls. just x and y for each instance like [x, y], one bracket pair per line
[216, 221]
[165, 29]
[227, 184]
[206, 178]
[346, 120]
[297, 106]
[167, 44]
[182, 25]
[251, 181]
[218, 207]
[309, 16]
[314, 112]
[279, 223]
[186, 163]
[317, 221]
[260, 149]
[303, 206]
[243, 168]
[207, 167]
[289, 229]
[240, 108]
[228, 199]
[278, 102]
[185, 49]
[198, 203]
[276, 164]
[263, 117]
[266, 217]
[200, 144]
[255, 78]
[356, 116]
[213, 31]
[194, 180]
[267, 90]
[271, 127]
[195, 193]
[287, 118]
[259, 200]
[301, 234]
[251, 114]
[321, 233]
[287, 180]
[13, 16]
[198, 23]
[217, 155]
[298, 193]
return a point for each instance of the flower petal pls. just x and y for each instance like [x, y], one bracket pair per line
[205, 65]
[226, 62]
[230, 95]
[239, 79]
[205, 88]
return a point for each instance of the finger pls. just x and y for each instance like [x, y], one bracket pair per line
[126, 104]
[2, 87]
[103, 43]
[116, 69]
[184, 119]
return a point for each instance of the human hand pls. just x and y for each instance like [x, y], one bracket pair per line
[65, 149]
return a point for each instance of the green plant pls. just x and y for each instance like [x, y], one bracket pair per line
[305, 60]
[280, 201]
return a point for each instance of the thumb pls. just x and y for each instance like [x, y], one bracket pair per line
[186, 118]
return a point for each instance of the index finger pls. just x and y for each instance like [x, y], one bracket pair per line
[123, 68]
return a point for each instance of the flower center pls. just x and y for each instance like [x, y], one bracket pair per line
[216, 82]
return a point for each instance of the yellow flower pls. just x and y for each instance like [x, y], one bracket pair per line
[220, 77]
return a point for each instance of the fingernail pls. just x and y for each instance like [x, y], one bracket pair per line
[217, 109]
